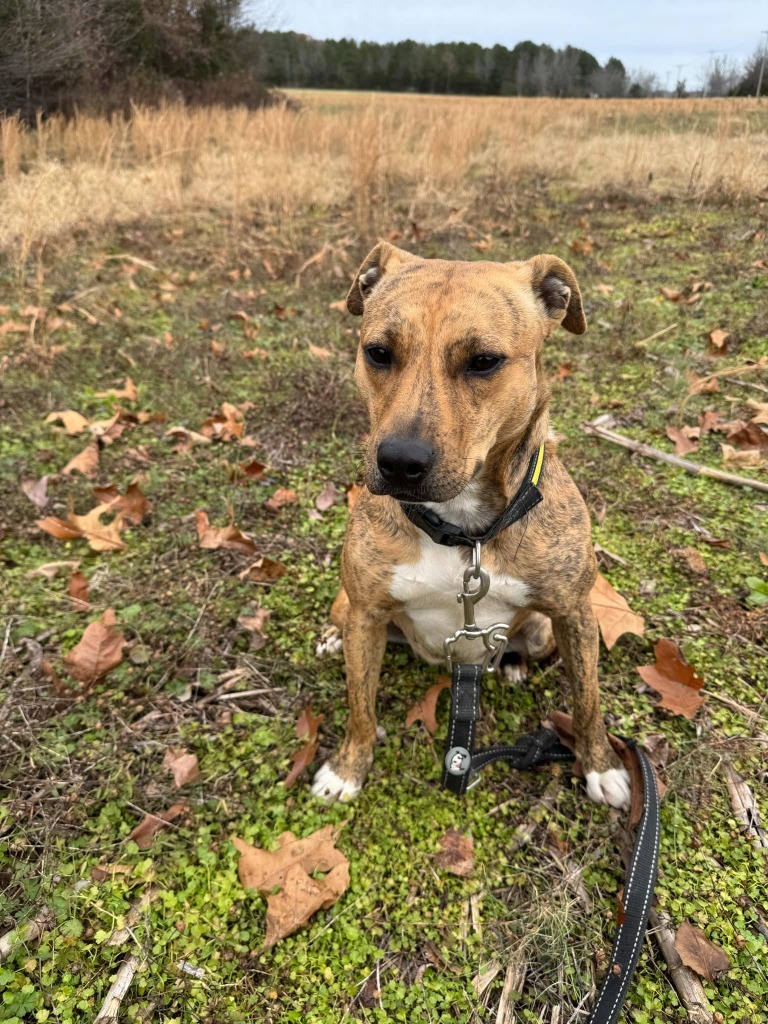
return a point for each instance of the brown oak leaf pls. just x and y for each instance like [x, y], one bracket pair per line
[144, 833]
[213, 537]
[700, 953]
[99, 650]
[674, 679]
[613, 614]
[280, 498]
[182, 765]
[456, 853]
[425, 709]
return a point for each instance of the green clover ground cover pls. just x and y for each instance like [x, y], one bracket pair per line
[405, 942]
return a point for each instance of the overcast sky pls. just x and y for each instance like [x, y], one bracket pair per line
[652, 34]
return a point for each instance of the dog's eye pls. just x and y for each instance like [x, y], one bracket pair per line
[484, 364]
[378, 355]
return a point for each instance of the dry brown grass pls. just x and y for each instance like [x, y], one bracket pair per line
[364, 153]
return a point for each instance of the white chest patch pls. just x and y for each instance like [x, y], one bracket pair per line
[428, 589]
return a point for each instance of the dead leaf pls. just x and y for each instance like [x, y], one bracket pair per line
[718, 342]
[36, 491]
[750, 458]
[127, 391]
[226, 425]
[281, 498]
[327, 498]
[255, 623]
[74, 422]
[613, 614]
[456, 854]
[266, 870]
[763, 557]
[605, 289]
[102, 872]
[144, 833]
[100, 536]
[710, 421]
[242, 472]
[86, 462]
[693, 560]
[684, 444]
[308, 723]
[255, 353]
[187, 439]
[700, 953]
[341, 305]
[425, 709]
[182, 765]
[674, 679]
[701, 385]
[760, 409]
[300, 761]
[99, 651]
[563, 370]
[134, 505]
[79, 598]
[301, 897]
[213, 537]
[263, 570]
[51, 569]
[319, 353]
[584, 245]
[748, 435]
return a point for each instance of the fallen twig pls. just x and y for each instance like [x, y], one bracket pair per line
[111, 1005]
[744, 807]
[596, 430]
[514, 980]
[30, 931]
[685, 982]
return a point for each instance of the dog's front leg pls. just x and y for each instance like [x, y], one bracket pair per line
[578, 643]
[365, 638]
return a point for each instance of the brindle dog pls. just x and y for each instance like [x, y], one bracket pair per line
[449, 365]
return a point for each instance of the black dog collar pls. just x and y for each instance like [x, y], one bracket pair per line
[442, 532]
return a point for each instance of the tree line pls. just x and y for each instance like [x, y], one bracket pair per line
[286, 59]
[105, 54]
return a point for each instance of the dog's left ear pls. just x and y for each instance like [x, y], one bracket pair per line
[383, 258]
[555, 284]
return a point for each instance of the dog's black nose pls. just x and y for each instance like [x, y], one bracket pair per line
[404, 461]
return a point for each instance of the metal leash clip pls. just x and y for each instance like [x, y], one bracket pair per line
[494, 637]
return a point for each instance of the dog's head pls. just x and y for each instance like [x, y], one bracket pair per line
[449, 362]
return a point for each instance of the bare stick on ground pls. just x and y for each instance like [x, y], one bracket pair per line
[744, 807]
[514, 979]
[111, 1006]
[597, 430]
[30, 931]
[685, 982]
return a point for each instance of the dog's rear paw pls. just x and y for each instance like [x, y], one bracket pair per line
[327, 785]
[329, 642]
[610, 787]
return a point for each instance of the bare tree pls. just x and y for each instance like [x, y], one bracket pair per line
[719, 76]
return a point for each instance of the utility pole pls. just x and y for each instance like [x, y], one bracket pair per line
[762, 63]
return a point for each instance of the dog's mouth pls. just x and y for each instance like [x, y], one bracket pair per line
[430, 491]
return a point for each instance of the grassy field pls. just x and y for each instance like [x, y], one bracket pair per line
[205, 295]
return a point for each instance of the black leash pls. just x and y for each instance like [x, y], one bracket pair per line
[462, 763]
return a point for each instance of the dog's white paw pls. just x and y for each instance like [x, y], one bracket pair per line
[514, 673]
[610, 787]
[327, 785]
[329, 643]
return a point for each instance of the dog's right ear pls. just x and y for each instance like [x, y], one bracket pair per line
[383, 258]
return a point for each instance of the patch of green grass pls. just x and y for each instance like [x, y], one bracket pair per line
[406, 940]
